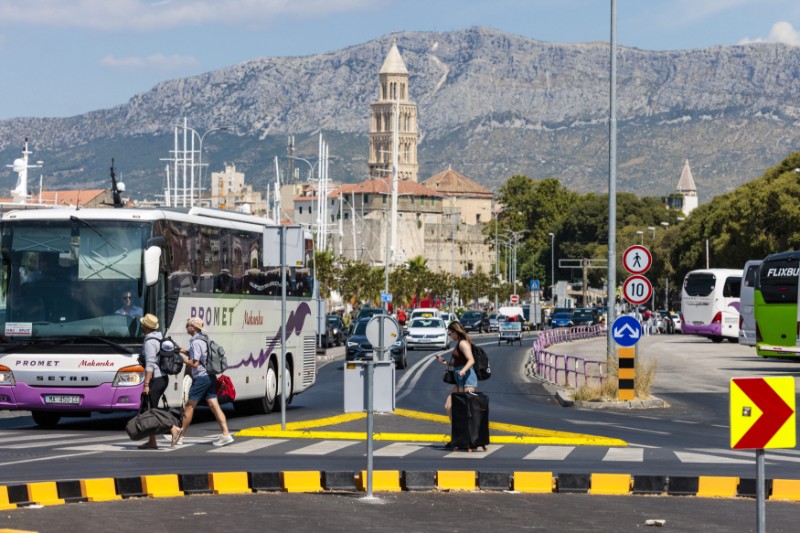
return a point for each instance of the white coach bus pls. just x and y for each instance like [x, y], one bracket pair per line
[69, 344]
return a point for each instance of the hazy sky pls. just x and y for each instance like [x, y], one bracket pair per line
[66, 57]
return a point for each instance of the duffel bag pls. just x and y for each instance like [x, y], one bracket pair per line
[150, 421]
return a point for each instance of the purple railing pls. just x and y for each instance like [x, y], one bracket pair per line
[567, 370]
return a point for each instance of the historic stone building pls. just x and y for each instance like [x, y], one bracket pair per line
[393, 112]
[685, 199]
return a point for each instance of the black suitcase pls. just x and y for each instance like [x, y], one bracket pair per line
[470, 427]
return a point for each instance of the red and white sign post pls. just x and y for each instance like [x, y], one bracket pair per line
[514, 298]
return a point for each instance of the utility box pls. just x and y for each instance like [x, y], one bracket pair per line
[355, 386]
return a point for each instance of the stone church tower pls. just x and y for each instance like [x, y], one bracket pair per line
[687, 189]
[393, 93]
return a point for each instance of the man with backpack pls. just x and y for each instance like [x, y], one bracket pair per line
[204, 384]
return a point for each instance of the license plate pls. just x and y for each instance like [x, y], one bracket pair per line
[62, 399]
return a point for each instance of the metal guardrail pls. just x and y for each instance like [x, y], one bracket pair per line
[567, 370]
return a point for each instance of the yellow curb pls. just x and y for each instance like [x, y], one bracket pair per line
[161, 486]
[44, 493]
[782, 489]
[302, 481]
[382, 481]
[534, 482]
[455, 480]
[228, 482]
[610, 484]
[717, 487]
[99, 490]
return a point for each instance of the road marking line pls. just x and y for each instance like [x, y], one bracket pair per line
[39, 459]
[398, 449]
[28, 437]
[248, 446]
[59, 443]
[632, 455]
[323, 448]
[688, 457]
[319, 422]
[550, 453]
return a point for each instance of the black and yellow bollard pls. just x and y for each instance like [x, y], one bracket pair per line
[627, 371]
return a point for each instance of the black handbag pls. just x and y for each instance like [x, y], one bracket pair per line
[450, 376]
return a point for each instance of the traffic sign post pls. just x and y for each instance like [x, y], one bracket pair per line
[637, 259]
[514, 298]
[762, 415]
[626, 332]
[637, 289]
[535, 285]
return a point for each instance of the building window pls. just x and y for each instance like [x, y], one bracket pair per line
[384, 199]
[478, 218]
[346, 215]
[301, 209]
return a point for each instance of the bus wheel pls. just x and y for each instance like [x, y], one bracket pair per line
[267, 403]
[716, 339]
[733, 340]
[289, 387]
[45, 418]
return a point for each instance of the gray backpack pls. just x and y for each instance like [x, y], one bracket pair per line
[216, 363]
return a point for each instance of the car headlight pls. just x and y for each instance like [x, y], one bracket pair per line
[6, 376]
[129, 376]
[351, 344]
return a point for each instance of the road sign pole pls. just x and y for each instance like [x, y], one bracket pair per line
[761, 519]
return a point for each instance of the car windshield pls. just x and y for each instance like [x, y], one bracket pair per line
[563, 315]
[427, 323]
[471, 315]
[361, 327]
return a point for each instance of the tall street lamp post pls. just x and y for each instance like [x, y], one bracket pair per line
[640, 233]
[552, 266]
[200, 152]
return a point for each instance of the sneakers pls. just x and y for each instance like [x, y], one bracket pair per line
[223, 440]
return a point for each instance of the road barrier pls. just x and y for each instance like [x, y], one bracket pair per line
[66, 492]
[567, 370]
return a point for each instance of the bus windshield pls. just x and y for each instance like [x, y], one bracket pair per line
[701, 284]
[71, 278]
[778, 279]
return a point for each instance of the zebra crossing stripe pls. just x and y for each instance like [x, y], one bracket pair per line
[477, 453]
[398, 449]
[689, 457]
[550, 453]
[633, 455]
[248, 446]
[59, 443]
[9, 437]
[323, 448]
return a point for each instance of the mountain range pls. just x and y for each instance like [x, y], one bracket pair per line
[491, 105]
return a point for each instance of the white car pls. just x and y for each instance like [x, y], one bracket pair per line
[427, 333]
[449, 317]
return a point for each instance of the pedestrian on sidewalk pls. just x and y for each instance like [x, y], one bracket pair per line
[462, 361]
[204, 386]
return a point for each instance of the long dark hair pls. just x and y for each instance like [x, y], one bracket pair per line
[458, 329]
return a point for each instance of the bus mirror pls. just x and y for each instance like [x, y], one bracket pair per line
[152, 258]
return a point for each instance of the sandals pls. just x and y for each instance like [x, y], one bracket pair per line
[148, 446]
[176, 437]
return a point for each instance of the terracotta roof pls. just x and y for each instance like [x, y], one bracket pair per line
[393, 64]
[451, 183]
[686, 183]
[64, 197]
[384, 186]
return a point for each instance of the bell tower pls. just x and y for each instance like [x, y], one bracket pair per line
[393, 111]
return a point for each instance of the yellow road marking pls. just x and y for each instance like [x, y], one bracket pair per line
[525, 435]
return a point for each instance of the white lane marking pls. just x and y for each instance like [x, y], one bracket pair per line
[617, 426]
[124, 447]
[323, 448]
[398, 449]
[50, 458]
[476, 453]
[59, 443]
[688, 457]
[769, 456]
[629, 455]
[635, 445]
[550, 453]
[247, 446]
[27, 437]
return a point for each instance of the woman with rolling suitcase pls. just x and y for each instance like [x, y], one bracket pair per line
[469, 415]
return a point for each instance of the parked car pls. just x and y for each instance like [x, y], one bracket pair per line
[475, 321]
[366, 312]
[358, 347]
[425, 312]
[449, 317]
[493, 322]
[337, 328]
[676, 320]
[427, 333]
[583, 316]
[562, 320]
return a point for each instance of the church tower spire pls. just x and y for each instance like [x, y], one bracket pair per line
[393, 100]
[687, 189]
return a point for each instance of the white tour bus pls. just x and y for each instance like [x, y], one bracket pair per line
[710, 303]
[747, 310]
[69, 345]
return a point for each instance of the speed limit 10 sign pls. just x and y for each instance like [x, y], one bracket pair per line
[637, 289]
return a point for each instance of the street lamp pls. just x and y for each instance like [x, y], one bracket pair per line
[665, 224]
[200, 151]
[653, 229]
[640, 233]
[552, 265]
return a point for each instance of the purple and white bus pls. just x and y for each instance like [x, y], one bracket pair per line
[68, 344]
[710, 304]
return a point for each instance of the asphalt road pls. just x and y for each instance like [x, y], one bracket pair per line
[689, 438]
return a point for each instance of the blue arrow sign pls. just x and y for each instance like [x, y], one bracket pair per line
[626, 331]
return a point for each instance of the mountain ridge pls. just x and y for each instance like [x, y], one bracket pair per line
[491, 104]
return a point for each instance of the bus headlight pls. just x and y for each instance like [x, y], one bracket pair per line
[6, 376]
[129, 376]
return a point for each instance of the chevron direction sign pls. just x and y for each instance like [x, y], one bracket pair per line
[762, 413]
